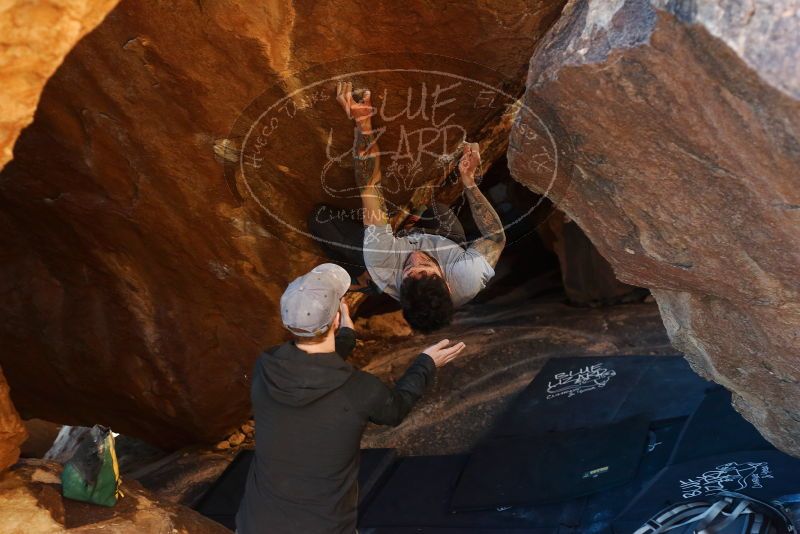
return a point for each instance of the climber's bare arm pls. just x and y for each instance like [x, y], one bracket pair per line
[368, 177]
[366, 154]
[493, 236]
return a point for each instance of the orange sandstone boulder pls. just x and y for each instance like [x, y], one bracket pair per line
[156, 208]
[12, 431]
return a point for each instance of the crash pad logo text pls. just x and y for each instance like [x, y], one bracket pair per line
[577, 382]
[732, 476]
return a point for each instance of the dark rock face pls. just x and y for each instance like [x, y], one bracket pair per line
[677, 132]
[140, 281]
[587, 277]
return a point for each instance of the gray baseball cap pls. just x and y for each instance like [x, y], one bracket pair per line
[310, 303]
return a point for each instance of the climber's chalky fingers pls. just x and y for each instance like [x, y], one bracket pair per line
[344, 95]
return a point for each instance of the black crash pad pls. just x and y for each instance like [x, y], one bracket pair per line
[599, 391]
[221, 501]
[716, 428]
[573, 393]
[463, 530]
[601, 508]
[416, 498]
[552, 467]
[763, 474]
[717, 449]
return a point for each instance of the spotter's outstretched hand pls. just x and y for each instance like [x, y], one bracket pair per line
[441, 354]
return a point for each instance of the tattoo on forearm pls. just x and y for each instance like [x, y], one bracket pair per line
[366, 157]
[493, 239]
[381, 200]
[374, 202]
[368, 176]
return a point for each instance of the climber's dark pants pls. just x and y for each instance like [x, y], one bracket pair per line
[438, 220]
[340, 232]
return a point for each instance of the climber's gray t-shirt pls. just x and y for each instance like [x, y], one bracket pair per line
[465, 271]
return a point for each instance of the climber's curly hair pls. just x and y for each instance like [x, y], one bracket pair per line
[426, 302]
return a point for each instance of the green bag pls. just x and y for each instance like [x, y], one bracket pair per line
[92, 474]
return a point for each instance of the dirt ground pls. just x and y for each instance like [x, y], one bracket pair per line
[510, 333]
[508, 341]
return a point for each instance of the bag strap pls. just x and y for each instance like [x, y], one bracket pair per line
[708, 520]
[706, 517]
[776, 510]
[672, 517]
[709, 525]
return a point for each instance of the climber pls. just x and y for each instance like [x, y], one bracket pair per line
[429, 269]
[311, 408]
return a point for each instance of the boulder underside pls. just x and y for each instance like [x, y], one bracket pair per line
[678, 154]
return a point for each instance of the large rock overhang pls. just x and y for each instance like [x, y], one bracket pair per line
[677, 131]
[140, 281]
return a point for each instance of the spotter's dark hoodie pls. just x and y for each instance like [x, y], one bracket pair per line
[310, 411]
